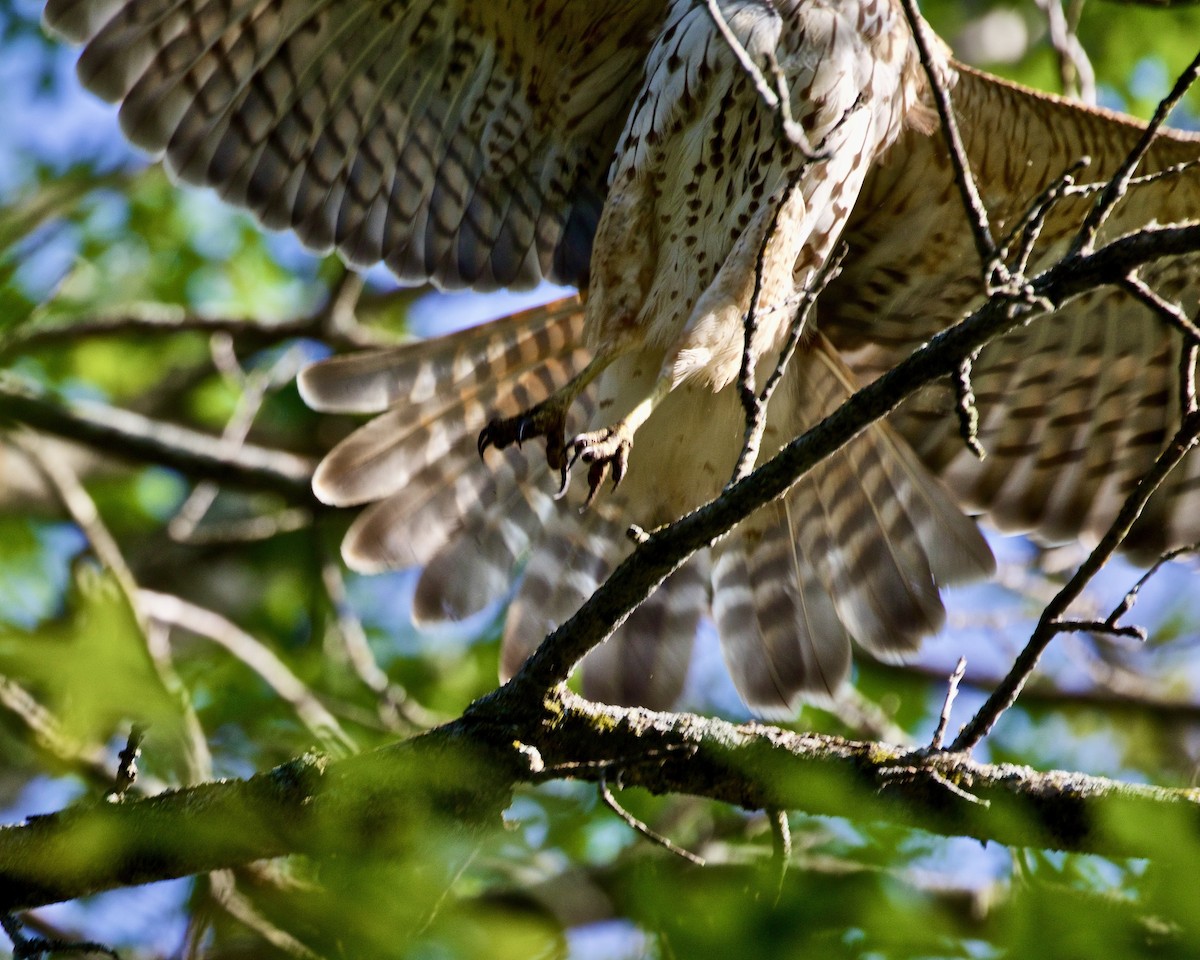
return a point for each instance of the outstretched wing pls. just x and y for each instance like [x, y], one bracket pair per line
[1073, 408]
[462, 142]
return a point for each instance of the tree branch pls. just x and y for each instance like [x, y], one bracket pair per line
[132, 436]
[462, 774]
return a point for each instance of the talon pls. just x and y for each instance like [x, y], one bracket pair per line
[577, 446]
[620, 462]
[565, 471]
[543, 420]
[485, 439]
[596, 474]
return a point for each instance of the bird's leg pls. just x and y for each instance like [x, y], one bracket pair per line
[546, 419]
[608, 448]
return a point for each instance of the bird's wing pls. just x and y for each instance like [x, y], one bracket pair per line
[462, 142]
[1074, 407]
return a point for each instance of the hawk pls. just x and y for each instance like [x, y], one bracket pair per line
[624, 147]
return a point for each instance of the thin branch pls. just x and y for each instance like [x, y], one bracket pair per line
[1118, 184]
[639, 827]
[1165, 310]
[36, 948]
[939, 734]
[1130, 598]
[965, 408]
[127, 770]
[82, 509]
[1075, 69]
[1029, 228]
[777, 96]
[781, 848]
[1103, 628]
[223, 887]
[755, 405]
[252, 393]
[1146, 699]
[88, 761]
[131, 436]
[1051, 622]
[976, 213]
[395, 709]
[255, 655]
[1174, 170]
[334, 323]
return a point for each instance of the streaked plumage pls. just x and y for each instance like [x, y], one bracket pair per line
[619, 145]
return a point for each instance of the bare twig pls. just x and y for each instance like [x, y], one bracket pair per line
[666, 843]
[965, 409]
[127, 771]
[255, 655]
[1174, 170]
[1074, 67]
[776, 96]
[1118, 184]
[747, 387]
[1170, 312]
[36, 948]
[1029, 228]
[976, 213]
[939, 734]
[781, 847]
[1130, 598]
[82, 509]
[131, 436]
[395, 709]
[1051, 621]
[223, 888]
[755, 404]
[1101, 627]
[1118, 693]
[254, 389]
[334, 323]
[89, 761]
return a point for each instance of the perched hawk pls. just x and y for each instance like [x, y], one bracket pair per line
[623, 146]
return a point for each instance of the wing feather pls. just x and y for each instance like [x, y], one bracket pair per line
[462, 143]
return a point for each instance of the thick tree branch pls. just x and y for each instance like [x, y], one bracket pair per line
[461, 775]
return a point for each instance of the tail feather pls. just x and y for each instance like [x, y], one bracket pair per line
[953, 547]
[857, 549]
[883, 587]
[386, 454]
[573, 557]
[780, 634]
[876, 531]
[407, 528]
[645, 663]
[477, 566]
[424, 372]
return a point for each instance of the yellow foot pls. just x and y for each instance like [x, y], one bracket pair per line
[606, 449]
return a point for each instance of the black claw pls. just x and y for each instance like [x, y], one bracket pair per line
[620, 462]
[596, 474]
[485, 439]
[565, 471]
